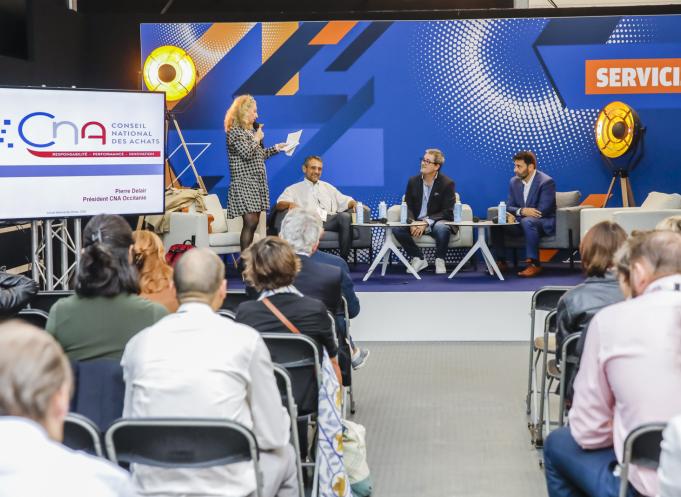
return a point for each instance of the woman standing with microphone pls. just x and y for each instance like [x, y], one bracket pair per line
[248, 194]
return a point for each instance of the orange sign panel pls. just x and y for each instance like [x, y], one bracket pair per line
[630, 76]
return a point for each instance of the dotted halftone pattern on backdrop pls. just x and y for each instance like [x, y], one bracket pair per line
[483, 82]
[633, 30]
[181, 35]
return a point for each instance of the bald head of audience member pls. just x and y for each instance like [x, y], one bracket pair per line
[35, 377]
[648, 256]
[200, 277]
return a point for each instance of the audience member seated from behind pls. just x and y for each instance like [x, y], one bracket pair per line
[347, 286]
[532, 203]
[629, 374]
[430, 198]
[195, 363]
[270, 266]
[16, 291]
[106, 311]
[302, 229]
[600, 289]
[155, 275]
[35, 386]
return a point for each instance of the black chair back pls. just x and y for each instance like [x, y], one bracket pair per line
[299, 355]
[80, 433]
[180, 442]
[286, 392]
[36, 317]
[99, 391]
[226, 313]
[233, 299]
[645, 448]
[642, 448]
[546, 298]
[45, 299]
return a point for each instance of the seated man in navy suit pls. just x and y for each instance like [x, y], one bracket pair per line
[532, 203]
[430, 198]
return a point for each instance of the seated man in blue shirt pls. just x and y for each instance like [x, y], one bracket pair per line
[532, 203]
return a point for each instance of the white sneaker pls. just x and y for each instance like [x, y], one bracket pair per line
[418, 264]
[440, 266]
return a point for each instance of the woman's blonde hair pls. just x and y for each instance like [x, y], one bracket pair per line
[155, 273]
[236, 114]
[33, 368]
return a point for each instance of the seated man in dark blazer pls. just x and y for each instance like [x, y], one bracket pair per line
[347, 286]
[532, 203]
[302, 229]
[430, 198]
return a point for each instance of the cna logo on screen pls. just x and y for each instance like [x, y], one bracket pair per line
[43, 135]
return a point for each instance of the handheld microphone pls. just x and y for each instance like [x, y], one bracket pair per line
[256, 126]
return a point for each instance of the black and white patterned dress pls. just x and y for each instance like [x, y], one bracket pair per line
[248, 191]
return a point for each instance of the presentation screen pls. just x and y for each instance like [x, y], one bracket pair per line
[73, 153]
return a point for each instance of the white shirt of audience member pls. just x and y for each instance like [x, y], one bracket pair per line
[195, 363]
[33, 465]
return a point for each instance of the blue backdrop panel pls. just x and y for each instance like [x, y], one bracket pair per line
[371, 99]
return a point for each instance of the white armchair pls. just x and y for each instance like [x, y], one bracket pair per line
[656, 207]
[224, 238]
[463, 238]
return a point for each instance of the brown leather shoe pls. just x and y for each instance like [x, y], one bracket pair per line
[502, 265]
[530, 271]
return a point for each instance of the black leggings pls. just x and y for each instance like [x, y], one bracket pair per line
[250, 220]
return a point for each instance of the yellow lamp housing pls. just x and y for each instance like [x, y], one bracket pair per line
[617, 129]
[171, 70]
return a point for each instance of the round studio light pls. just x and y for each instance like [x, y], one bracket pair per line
[618, 128]
[170, 69]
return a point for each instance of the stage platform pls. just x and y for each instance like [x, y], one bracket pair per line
[472, 306]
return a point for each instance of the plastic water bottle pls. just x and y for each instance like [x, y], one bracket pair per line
[403, 213]
[382, 210]
[457, 212]
[359, 210]
[502, 212]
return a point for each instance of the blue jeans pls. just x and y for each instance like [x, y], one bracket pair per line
[532, 228]
[574, 472]
[439, 231]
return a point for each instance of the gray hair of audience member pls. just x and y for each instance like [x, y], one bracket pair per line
[658, 251]
[302, 229]
[33, 369]
[671, 223]
[198, 275]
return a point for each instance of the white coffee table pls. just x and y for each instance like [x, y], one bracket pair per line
[480, 244]
[388, 245]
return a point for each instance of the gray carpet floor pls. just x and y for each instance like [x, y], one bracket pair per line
[447, 419]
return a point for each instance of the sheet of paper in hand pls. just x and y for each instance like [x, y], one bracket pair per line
[292, 141]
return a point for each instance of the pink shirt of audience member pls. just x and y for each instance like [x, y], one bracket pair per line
[630, 373]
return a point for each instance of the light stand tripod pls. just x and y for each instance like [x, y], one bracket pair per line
[623, 174]
[170, 117]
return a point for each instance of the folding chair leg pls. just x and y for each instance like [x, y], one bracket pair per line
[539, 442]
[530, 368]
[352, 400]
